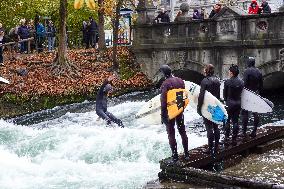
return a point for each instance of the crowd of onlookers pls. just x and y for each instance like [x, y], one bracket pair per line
[31, 35]
[254, 8]
[31, 32]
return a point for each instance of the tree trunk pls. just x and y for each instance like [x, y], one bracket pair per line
[102, 44]
[115, 34]
[62, 47]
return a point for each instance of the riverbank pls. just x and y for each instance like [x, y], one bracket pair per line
[33, 85]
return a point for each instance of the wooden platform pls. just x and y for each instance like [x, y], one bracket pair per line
[193, 171]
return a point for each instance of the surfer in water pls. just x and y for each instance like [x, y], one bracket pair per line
[211, 84]
[253, 81]
[101, 103]
[172, 82]
[232, 95]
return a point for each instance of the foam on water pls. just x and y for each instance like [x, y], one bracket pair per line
[78, 150]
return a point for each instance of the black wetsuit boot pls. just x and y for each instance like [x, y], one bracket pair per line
[235, 134]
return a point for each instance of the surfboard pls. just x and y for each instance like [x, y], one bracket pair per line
[212, 109]
[177, 100]
[150, 113]
[252, 102]
[3, 80]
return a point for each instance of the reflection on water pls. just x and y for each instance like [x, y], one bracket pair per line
[267, 167]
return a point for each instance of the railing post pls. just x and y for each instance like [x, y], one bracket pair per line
[29, 46]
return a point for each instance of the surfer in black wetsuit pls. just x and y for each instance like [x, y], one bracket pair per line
[211, 84]
[232, 95]
[253, 81]
[172, 82]
[101, 104]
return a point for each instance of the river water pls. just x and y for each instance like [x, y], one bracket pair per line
[69, 147]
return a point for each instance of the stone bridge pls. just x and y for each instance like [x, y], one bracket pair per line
[230, 37]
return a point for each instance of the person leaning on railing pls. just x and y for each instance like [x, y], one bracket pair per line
[2, 33]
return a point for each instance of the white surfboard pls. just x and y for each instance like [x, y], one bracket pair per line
[150, 113]
[212, 108]
[3, 80]
[252, 102]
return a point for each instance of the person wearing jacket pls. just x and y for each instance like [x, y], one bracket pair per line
[162, 17]
[196, 15]
[172, 82]
[254, 8]
[23, 32]
[211, 84]
[101, 104]
[233, 88]
[2, 34]
[92, 33]
[216, 9]
[40, 35]
[51, 33]
[253, 81]
[264, 7]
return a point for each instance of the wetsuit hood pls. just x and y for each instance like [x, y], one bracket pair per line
[166, 70]
[251, 62]
[107, 88]
[234, 69]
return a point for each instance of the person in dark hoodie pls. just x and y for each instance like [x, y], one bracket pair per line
[216, 10]
[162, 17]
[101, 103]
[23, 32]
[232, 96]
[264, 7]
[196, 15]
[172, 82]
[211, 84]
[253, 81]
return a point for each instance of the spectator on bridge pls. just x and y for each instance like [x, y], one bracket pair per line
[254, 8]
[178, 15]
[2, 33]
[216, 9]
[233, 88]
[184, 16]
[211, 84]
[196, 15]
[23, 32]
[265, 8]
[203, 13]
[51, 33]
[252, 81]
[162, 17]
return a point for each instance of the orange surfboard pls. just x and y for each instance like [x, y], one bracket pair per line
[177, 100]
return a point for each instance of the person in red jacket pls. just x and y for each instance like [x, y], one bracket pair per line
[254, 8]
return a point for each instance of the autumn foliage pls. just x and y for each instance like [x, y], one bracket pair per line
[93, 70]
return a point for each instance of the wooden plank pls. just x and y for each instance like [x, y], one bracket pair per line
[272, 145]
[199, 159]
[201, 177]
